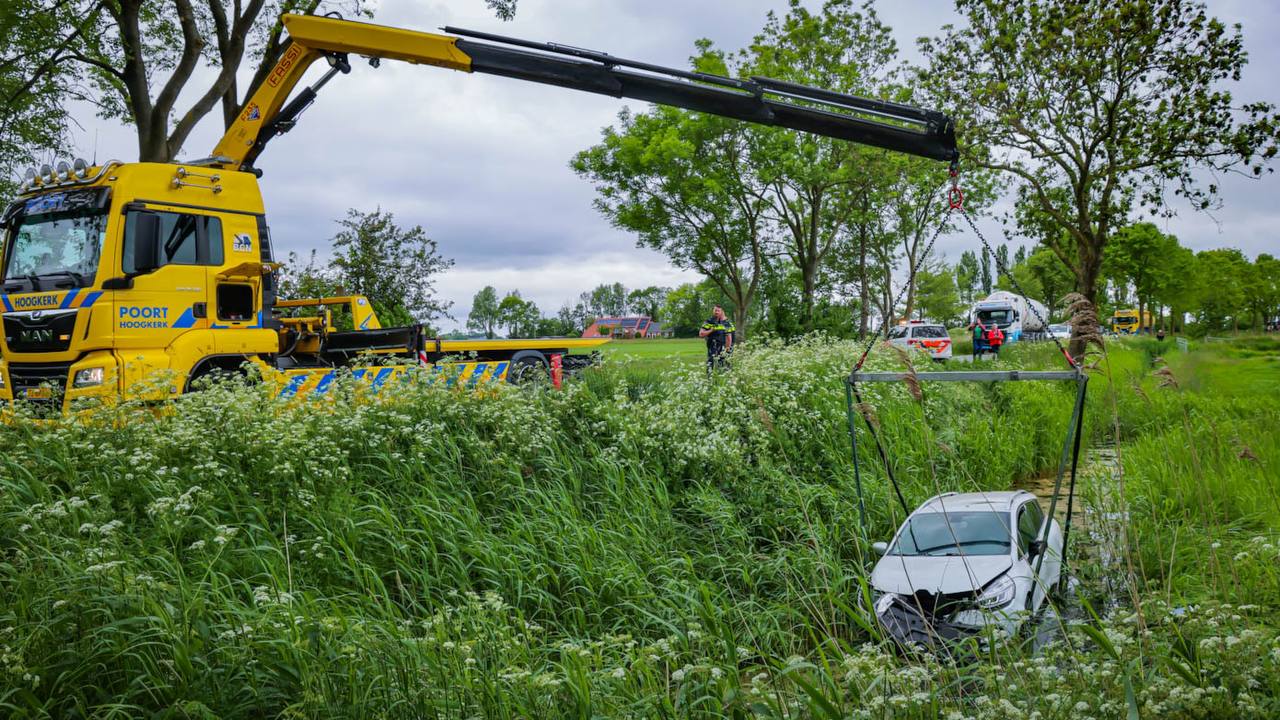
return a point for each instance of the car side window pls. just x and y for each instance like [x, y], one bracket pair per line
[1030, 518]
[897, 333]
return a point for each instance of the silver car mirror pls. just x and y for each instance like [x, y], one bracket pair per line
[880, 548]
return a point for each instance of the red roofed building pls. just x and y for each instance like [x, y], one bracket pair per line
[639, 326]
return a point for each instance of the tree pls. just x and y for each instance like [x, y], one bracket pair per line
[605, 300]
[967, 276]
[647, 301]
[918, 210]
[688, 306]
[811, 182]
[1002, 265]
[1093, 106]
[395, 268]
[1261, 288]
[307, 281]
[1136, 257]
[1222, 298]
[33, 118]
[484, 312]
[939, 300]
[682, 183]
[518, 315]
[986, 271]
[138, 60]
[1048, 272]
[560, 325]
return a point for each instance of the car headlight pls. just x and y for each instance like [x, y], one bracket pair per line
[88, 377]
[998, 594]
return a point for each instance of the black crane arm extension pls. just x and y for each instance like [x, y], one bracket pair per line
[892, 126]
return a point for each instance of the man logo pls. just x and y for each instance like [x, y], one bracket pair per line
[37, 314]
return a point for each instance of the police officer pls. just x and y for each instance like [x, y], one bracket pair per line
[719, 334]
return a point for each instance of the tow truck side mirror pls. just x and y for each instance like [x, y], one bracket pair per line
[146, 242]
[880, 548]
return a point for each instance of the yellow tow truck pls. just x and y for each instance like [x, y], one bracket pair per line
[1130, 322]
[117, 274]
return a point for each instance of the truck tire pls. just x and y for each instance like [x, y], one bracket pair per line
[528, 366]
[216, 369]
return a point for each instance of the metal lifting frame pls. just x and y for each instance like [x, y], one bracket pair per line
[1070, 447]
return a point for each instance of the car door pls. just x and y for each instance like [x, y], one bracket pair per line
[1031, 526]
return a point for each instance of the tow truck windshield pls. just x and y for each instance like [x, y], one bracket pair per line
[962, 532]
[46, 251]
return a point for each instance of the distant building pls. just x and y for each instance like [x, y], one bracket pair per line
[639, 326]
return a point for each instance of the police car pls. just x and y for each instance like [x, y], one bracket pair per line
[930, 337]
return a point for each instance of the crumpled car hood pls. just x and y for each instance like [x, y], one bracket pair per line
[906, 575]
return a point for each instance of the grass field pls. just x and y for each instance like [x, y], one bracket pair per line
[646, 543]
[657, 351]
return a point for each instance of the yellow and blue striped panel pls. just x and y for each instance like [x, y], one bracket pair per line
[318, 382]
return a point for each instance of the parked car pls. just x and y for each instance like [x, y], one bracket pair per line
[1061, 331]
[965, 563]
[930, 337]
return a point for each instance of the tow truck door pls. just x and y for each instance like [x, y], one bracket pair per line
[172, 301]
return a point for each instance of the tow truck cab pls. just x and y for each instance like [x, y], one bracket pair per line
[121, 273]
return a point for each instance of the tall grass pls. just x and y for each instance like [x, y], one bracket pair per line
[648, 542]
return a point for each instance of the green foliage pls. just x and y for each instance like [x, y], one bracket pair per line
[484, 312]
[967, 276]
[645, 542]
[1046, 83]
[394, 267]
[686, 307]
[1221, 288]
[521, 317]
[938, 298]
[680, 181]
[33, 119]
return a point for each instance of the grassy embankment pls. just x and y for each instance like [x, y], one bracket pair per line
[644, 543]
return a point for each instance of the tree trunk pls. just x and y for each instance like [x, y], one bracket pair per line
[864, 295]
[807, 298]
[1090, 269]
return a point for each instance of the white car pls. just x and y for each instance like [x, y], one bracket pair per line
[1061, 331]
[929, 337]
[965, 563]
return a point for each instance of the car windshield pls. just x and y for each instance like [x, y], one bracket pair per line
[998, 316]
[968, 532]
[54, 247]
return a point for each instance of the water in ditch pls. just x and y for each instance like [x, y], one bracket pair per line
[1098, 572]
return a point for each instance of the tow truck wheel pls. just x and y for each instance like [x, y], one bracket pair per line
[528, 368]
[217, 370]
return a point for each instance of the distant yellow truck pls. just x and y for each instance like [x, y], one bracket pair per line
[1129, 322]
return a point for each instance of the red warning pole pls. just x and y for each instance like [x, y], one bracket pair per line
[557, 371]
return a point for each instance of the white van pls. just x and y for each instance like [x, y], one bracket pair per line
[930, 337]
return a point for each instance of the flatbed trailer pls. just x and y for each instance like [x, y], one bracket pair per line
[316, 353]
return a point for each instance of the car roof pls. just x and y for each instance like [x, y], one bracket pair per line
[996, 500]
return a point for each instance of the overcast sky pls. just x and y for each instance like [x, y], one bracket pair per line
[481, 162]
